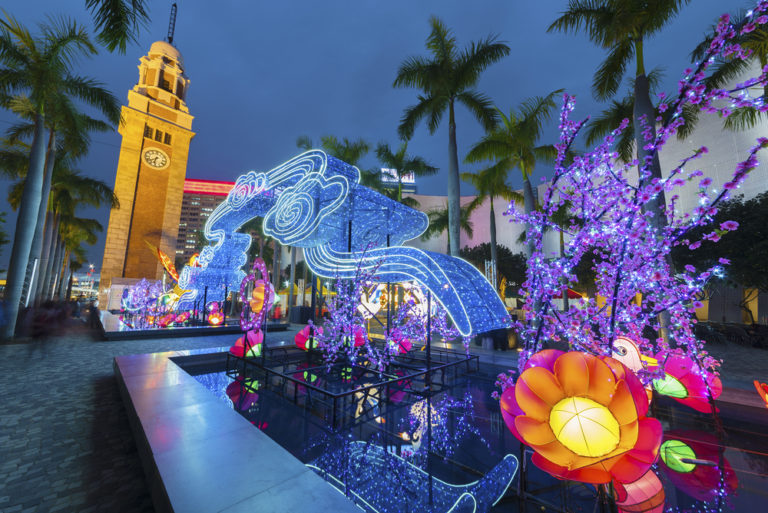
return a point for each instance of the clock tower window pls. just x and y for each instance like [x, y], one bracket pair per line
[167, 139]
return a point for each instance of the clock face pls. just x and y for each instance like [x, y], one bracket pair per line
[156, 158]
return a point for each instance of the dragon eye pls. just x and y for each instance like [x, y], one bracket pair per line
[621, 350]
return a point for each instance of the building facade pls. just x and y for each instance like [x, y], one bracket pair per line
[156, 129]
[201, 197]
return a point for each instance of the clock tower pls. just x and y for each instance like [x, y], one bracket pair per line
[156, 128]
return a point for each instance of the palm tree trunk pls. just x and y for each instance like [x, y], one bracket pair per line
[454, 187]
[45, 254]
[56, 269]
[69, 283]
[65, 265]
[25, 226]
[529, 200]
[644, 109]
[292, 279]
[566, 301]
[37, 242]
[46, 283]
[494, 254]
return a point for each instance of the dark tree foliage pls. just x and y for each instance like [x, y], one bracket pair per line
[512, 266]
[746, 248]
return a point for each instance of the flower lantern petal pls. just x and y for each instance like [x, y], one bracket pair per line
[572, 371]
[533, 431]
[545, 359]
[649, 435]
[537, 391]
[593, 474]
[602, 381]
[623, 404]
[510, 410]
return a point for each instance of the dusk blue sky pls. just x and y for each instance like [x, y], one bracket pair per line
[264, 73]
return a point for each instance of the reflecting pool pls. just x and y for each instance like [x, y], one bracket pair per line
[409, 450]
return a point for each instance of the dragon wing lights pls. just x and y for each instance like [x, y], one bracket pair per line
[316, 202]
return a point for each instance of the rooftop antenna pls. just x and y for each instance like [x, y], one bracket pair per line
[172, 23]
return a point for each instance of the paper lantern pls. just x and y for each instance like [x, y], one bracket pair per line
[693, 462]
[304, 340]
[248, 345]
[165, 320]
[584, 416]
[255, 307]
[181, 318]
[646, 495]
[762, 390]
[242, 393]
[685, 382]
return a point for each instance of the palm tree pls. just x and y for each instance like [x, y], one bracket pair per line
[39, 67]
[68, 130]
[619, 110]
[403, 163]
[69, 189]
[621, 27]
[513, 145]
[438, 223]
[727, 70]
[118, 21]
[489, 183]
[447, 77]
[74, 231]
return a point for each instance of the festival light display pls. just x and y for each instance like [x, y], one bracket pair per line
[249, 345]
[694, 462]
[305, 339]
[215, 315]
[314, 201]
[685, 382]
[615, 225]
[369, 475]
[242, 393]
[584, 416]
[762, 391]
[646, 495]
[255, 308]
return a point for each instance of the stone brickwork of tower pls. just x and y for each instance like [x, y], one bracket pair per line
[156, 129]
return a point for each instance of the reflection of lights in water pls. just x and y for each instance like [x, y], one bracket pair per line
[382, 482]
[446, 437]
[368, 401]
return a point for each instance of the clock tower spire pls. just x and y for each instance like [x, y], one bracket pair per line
[156, 128]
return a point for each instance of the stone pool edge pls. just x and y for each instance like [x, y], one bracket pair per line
[199, 455]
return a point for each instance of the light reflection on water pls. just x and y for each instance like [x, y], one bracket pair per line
[699, 472]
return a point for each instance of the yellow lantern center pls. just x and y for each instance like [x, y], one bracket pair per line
[584, 426]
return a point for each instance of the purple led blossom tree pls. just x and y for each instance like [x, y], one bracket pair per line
[612, 226]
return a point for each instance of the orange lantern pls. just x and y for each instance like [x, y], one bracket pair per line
[584, 416]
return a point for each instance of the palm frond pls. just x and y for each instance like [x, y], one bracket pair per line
[609, 75]
[481, 108]
[118, 21]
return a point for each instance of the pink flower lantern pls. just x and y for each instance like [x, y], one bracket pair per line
[303, 339]
[685, 382]
[248, 345]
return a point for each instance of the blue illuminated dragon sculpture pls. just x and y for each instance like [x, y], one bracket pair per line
[315, 201]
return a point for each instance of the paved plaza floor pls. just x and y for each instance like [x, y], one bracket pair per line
[65, 442]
